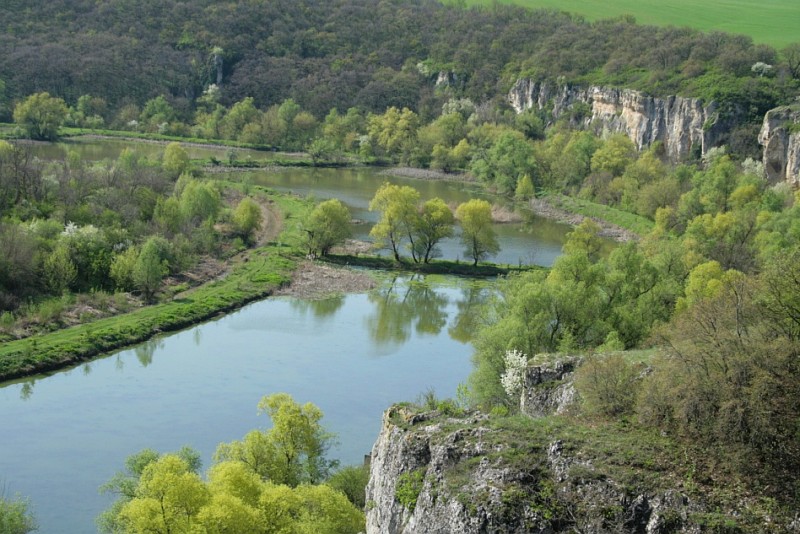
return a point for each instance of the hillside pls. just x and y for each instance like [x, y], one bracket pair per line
[367, 53]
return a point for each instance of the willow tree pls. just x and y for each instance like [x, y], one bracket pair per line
[477, 233]
[433, 223]
[398, 207]
[41, 115]
[327, 225]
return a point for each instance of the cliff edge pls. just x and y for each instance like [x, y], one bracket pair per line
[465, 472]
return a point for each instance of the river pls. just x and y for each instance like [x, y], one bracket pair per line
[531, 240]
[66, 434]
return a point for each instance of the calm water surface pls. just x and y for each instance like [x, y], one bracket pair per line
[66, 434]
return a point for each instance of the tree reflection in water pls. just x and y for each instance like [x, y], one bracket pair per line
[144, 351]
[403, 304]
[469, 316]
[323, 308]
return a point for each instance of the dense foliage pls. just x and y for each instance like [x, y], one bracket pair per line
[268, 483]
[714, 286]
[109, 59]
[15, 516]
[92, 228]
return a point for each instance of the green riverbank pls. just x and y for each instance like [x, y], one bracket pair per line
[255, 275]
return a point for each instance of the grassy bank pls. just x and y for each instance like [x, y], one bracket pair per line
[630, 221]
[254, 276]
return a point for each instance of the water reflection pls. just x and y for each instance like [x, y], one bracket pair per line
[144, 351]
[324, 308]
[26, 390]
[399, 306]
[468, 318]
[199, 389]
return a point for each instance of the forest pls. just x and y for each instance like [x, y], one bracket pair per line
[364, 53]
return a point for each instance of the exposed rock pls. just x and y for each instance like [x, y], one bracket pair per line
[780, 138]
[684, 125]
[448, 79]
[432, 473]
[548, 388]
[472, 478]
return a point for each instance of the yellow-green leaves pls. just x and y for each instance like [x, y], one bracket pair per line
[247, 489]
[398, 207]
[477, 233]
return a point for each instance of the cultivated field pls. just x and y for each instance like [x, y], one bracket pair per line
[773, 22]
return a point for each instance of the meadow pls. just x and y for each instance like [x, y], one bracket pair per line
[772, 22]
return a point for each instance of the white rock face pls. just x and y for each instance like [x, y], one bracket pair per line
[781, 142]
[684, 125]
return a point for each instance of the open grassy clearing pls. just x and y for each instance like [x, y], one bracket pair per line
[772, 22]
[630, 221]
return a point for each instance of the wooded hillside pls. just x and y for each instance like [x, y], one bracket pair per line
[368, 53]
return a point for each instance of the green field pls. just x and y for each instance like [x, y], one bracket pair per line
[773, 22]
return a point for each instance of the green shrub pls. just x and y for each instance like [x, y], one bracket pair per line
[409, 486]
[352, 481]
[607, 384]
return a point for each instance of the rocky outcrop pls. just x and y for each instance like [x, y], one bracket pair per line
[548, 389]
[780, 137]
[686, 126]
[470, 473]
[460, 475]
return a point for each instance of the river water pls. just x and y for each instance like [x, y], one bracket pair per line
[66, 434]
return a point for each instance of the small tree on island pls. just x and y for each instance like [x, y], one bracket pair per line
[477, 233]
[434, 222]
[398, 207]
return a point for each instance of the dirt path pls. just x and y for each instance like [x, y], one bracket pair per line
[210, 269]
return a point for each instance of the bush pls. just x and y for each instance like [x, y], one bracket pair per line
[409, 486]
[352, 481]
[607, 384]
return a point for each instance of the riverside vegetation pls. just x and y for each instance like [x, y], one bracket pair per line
[712, 282]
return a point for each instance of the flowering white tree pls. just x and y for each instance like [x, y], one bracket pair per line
[512, 378]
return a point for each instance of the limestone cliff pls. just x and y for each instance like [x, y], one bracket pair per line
[686, 126]
[466, 473]
[780, 137]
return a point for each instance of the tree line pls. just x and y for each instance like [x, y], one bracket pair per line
[405, 220]
[367, 54]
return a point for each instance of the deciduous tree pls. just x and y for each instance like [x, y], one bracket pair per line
[327, 225]
[150, 268]
[176, 159]
[477, 232]
[41, 115]
[16, 517]
[433, 223]
[292, 451]
[247, 218]
[398, 207]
